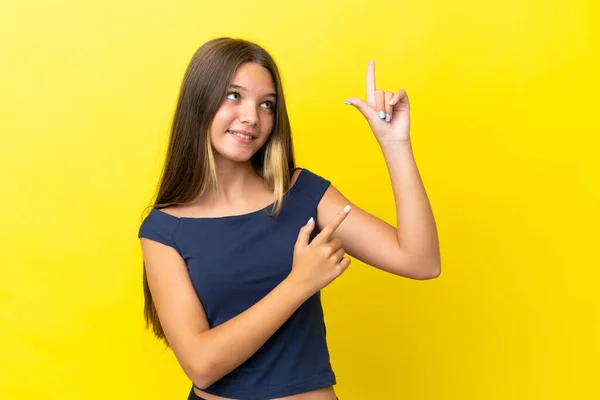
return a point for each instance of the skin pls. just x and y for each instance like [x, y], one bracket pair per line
[410, 250]
[248, 107]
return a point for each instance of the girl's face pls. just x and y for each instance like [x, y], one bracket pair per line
[244, 121]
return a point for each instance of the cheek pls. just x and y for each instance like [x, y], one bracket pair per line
[267, 123]
[221, 121]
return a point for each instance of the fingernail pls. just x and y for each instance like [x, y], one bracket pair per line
[381, 114]
[388, 117]
[347, 102]
[392, 102]
[310, 221]
[346, 209]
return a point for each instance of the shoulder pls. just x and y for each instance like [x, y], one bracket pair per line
[159, 226]
[310, 184]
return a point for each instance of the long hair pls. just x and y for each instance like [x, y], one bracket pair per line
[189, 170]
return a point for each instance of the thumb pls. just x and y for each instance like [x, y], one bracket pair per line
[304, 235]
[361, 106]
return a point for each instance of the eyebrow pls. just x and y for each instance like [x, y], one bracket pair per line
[273, 95]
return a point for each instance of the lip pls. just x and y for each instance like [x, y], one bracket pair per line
[243, 132]
[240, 139]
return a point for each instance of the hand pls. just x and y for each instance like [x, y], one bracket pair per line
[317, 264]
[388, 114]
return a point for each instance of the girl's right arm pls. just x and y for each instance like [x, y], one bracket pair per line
[206, 355]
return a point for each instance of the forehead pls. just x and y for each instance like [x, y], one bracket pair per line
[253, 78]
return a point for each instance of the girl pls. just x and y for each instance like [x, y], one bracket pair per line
[239, 242]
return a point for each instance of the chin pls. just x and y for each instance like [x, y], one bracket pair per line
[234, 156]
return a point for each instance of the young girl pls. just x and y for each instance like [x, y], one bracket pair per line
[239, 242]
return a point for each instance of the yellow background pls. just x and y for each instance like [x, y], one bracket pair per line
[505, 113]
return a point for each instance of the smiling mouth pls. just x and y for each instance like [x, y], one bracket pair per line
[240, 135]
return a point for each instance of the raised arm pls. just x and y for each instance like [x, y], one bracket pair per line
[410, 249]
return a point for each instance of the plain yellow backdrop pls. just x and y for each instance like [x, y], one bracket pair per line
[505, 129]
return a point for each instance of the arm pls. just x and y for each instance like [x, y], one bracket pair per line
[206, 355]
[416, 232]
[411, 249]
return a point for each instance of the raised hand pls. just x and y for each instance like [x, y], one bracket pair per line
[388, 114]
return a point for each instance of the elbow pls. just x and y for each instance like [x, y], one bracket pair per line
[425, 275]
[199, 384]
[434, 272]
[203, 374]
[419, 266]
[427, 270]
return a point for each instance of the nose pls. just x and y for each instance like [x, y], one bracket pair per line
[248, 113]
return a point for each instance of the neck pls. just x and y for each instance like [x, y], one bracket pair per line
[236, 180]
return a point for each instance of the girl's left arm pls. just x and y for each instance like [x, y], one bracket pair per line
[412, 249]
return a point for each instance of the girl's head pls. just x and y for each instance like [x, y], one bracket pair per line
[230, 85]
[231, 90]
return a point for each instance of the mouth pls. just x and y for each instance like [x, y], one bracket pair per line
[243, 137]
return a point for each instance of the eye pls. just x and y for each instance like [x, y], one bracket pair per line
[268, 104]
[233, 95]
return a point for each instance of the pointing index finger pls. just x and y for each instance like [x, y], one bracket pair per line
[371, 84]
[331, 227]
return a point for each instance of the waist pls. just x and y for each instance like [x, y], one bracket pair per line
[326, 393]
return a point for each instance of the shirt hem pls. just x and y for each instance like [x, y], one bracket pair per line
[274, 391]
